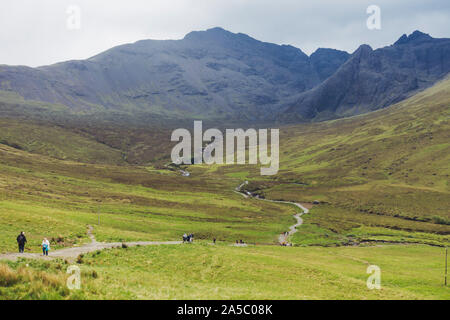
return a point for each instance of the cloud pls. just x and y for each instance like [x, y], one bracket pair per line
[34, 32]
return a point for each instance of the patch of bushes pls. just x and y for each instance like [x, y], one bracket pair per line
[440, 220]
[38, 284]
[80, 258]
[8, 277]
[11, 144]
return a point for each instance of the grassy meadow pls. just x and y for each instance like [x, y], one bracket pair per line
[205, 271]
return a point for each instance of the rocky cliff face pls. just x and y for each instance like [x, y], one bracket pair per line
[373, 79]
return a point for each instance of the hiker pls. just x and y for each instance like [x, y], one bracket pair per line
[45, 247]
[214, 240]
[191, 237]
[21, 240]
[185, 238]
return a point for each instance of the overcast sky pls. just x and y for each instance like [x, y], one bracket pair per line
[35, 32]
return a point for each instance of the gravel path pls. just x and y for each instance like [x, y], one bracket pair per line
[284, 237]
[71, 253]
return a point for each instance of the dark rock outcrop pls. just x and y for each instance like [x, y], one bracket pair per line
[373, 79]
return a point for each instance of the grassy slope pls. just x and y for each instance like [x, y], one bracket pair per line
[403, 150]
[203, 271]
[56, 142]
[92, 136]
[383, 175]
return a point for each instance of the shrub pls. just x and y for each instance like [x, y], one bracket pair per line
[8, 277]
[440, 220]
[50, 280]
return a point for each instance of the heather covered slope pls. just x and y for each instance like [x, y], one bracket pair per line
[385, 144]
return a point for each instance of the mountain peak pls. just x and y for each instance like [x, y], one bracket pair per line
[363, 49]
[413, 37]
[418, 34]
[216, 32]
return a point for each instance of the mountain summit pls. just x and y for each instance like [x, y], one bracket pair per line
[415, 36]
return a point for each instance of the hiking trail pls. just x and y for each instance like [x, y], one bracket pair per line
[284, 237]
[74, 252]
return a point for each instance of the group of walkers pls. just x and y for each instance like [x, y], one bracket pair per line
[22, 240]
[188, 238]
[285, 242]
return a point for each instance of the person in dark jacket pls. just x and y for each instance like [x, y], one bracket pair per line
[21, 240]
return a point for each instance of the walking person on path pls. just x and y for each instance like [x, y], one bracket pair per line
[45, 247]
[21, 240]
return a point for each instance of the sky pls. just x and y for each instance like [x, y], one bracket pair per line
[41, 32]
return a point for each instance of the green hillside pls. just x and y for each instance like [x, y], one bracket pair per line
[383, 175]
[56, 142]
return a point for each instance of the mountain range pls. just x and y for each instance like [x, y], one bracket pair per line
[219, 75]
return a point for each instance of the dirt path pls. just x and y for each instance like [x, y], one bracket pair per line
[74, 252]
[284, 237]
[185, 173]
[238, 190]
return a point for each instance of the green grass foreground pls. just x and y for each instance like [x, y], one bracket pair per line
[204, 271]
